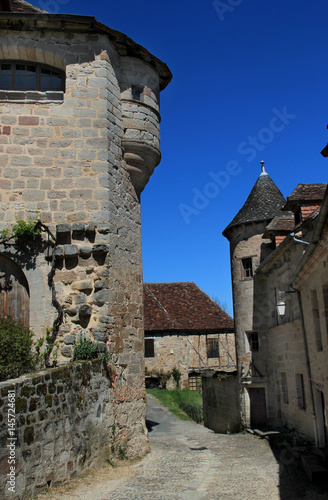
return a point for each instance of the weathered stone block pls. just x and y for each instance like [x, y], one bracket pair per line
[71, 251]
[85, 251]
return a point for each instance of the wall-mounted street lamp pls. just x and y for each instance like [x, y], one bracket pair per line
[281, 304]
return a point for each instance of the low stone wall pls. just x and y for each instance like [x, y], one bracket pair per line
[65, 423]
[221, 403]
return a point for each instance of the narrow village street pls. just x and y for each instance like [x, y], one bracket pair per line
[190, 462]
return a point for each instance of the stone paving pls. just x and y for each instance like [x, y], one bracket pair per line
[190, 462]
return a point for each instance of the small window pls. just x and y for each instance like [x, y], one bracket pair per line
[298, 216]
[194, 382]
[325, 301]
[284, 388]
[254, 341]
[212, 348]
[316, 320]
[26, 76]
[137, 93]
[247, 268]
[149, 348]
[300, 395]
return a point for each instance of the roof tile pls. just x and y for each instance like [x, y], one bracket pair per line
[182, 307]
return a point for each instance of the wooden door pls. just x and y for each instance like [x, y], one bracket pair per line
[14, 292]
[258, 407]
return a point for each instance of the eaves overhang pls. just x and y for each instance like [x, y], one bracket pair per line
[124, 45]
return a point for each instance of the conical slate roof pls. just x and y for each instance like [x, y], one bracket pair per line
[264, 202]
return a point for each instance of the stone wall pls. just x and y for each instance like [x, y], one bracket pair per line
[66, 422]
[221, 403]
[189, 354]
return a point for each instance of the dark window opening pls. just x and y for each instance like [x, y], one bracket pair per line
[149, 348]
[316, 320]
[29, 76]
[137, 93]
[247, 268]
[284, 388]
[298, 216]
[300, 391]
[254, 341]
[212, 348]
[325, 301]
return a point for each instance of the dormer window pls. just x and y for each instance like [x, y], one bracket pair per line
[24, 76]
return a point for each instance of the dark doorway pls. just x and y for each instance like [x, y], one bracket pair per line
[258, 407]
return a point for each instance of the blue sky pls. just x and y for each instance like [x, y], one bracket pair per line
[250, 83]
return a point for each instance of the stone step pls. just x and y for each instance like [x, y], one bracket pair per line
[314, 468]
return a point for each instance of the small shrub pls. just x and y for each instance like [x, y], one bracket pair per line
[194, 410]
[121, 453]
[176, 374]
[16, 355]
[85, 350]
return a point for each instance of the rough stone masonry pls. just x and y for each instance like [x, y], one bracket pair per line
[78, 158]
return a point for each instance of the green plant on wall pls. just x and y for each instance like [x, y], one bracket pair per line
[24, 232]
[85, 350]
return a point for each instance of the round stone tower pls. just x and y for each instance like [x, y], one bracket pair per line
[247, 250]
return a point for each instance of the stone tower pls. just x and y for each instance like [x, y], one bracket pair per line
[79, 139]
[247, 250]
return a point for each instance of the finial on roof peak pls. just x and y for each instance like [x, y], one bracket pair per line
[262, 167]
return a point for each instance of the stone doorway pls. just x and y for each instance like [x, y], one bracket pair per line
[14, 292]
[258, 407]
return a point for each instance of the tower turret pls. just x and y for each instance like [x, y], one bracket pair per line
[247, 250]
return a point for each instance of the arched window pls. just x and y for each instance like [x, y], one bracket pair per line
[23, 76]
[14, 292]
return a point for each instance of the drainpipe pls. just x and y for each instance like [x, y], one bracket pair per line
[308, 366]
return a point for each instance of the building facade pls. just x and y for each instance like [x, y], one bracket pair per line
[186, 329]
[280, 300]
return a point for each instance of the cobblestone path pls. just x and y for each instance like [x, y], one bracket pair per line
[190, 462]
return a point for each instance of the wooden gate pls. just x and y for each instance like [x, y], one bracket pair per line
[14, 292]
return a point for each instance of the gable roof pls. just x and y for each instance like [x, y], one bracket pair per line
[263, 203]
[182, 307]
[305, 193]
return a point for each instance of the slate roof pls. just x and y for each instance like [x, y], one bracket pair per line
[19, 6]
[182, 307]
[263, 203]
[306, 193]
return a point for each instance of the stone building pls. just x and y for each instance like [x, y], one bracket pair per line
[186, 329]
[280, 308]
[79, 139]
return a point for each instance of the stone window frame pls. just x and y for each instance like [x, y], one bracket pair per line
[31, 96]
[149, 347]
[300, 393]
[316, 320]
[284, 387]
[247, 268]
[253, 340]
[137, 93]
